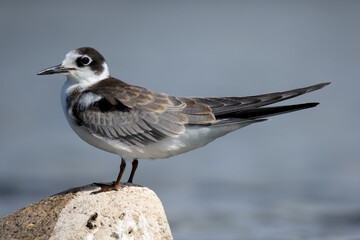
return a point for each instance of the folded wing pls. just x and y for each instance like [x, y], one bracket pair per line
[133, 115]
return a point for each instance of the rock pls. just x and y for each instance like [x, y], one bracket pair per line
[133, 212]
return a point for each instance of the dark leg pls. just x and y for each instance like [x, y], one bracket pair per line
[133, 170]
[116, 185]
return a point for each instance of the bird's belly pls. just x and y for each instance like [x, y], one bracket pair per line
[165, 148]
[102, 143]
[191, 139]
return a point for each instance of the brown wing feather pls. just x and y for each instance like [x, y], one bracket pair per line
[186, 110]
[136, 116]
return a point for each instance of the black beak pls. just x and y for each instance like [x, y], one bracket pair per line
[54, 70]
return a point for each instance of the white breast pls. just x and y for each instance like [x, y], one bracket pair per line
[82, 132]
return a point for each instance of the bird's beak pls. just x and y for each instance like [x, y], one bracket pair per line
[54, 70]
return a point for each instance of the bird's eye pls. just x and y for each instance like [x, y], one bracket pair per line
[85, 60]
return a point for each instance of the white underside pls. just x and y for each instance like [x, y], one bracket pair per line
[192, 138]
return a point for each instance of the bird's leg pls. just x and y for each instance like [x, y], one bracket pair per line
[116, 185]
[133, 170]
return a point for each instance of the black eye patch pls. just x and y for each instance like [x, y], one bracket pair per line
[83, 61]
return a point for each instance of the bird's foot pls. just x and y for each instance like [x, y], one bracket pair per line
[107, 187]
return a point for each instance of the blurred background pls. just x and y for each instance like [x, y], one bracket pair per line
[294, 177]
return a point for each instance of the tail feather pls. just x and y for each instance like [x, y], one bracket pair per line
[256, 113]
[228, 105]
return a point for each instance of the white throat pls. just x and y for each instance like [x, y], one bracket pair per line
[85, 76]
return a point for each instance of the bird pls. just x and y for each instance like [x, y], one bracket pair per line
[136, 123]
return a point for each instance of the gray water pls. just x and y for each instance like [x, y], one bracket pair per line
[294, 177]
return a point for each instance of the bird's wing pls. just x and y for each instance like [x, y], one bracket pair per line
[134, 115]
[225, 105]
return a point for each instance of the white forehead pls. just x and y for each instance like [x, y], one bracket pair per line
[70, 58]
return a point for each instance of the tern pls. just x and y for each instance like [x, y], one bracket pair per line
[137, 123]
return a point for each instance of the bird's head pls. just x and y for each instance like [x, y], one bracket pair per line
[83, 65]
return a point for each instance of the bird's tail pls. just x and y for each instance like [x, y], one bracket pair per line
[255, 113]
[225, 106]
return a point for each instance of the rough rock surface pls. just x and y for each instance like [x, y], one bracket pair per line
[133, 212]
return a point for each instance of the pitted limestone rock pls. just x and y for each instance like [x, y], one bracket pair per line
[133, 212]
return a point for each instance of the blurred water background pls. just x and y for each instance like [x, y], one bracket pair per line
[294, 177]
